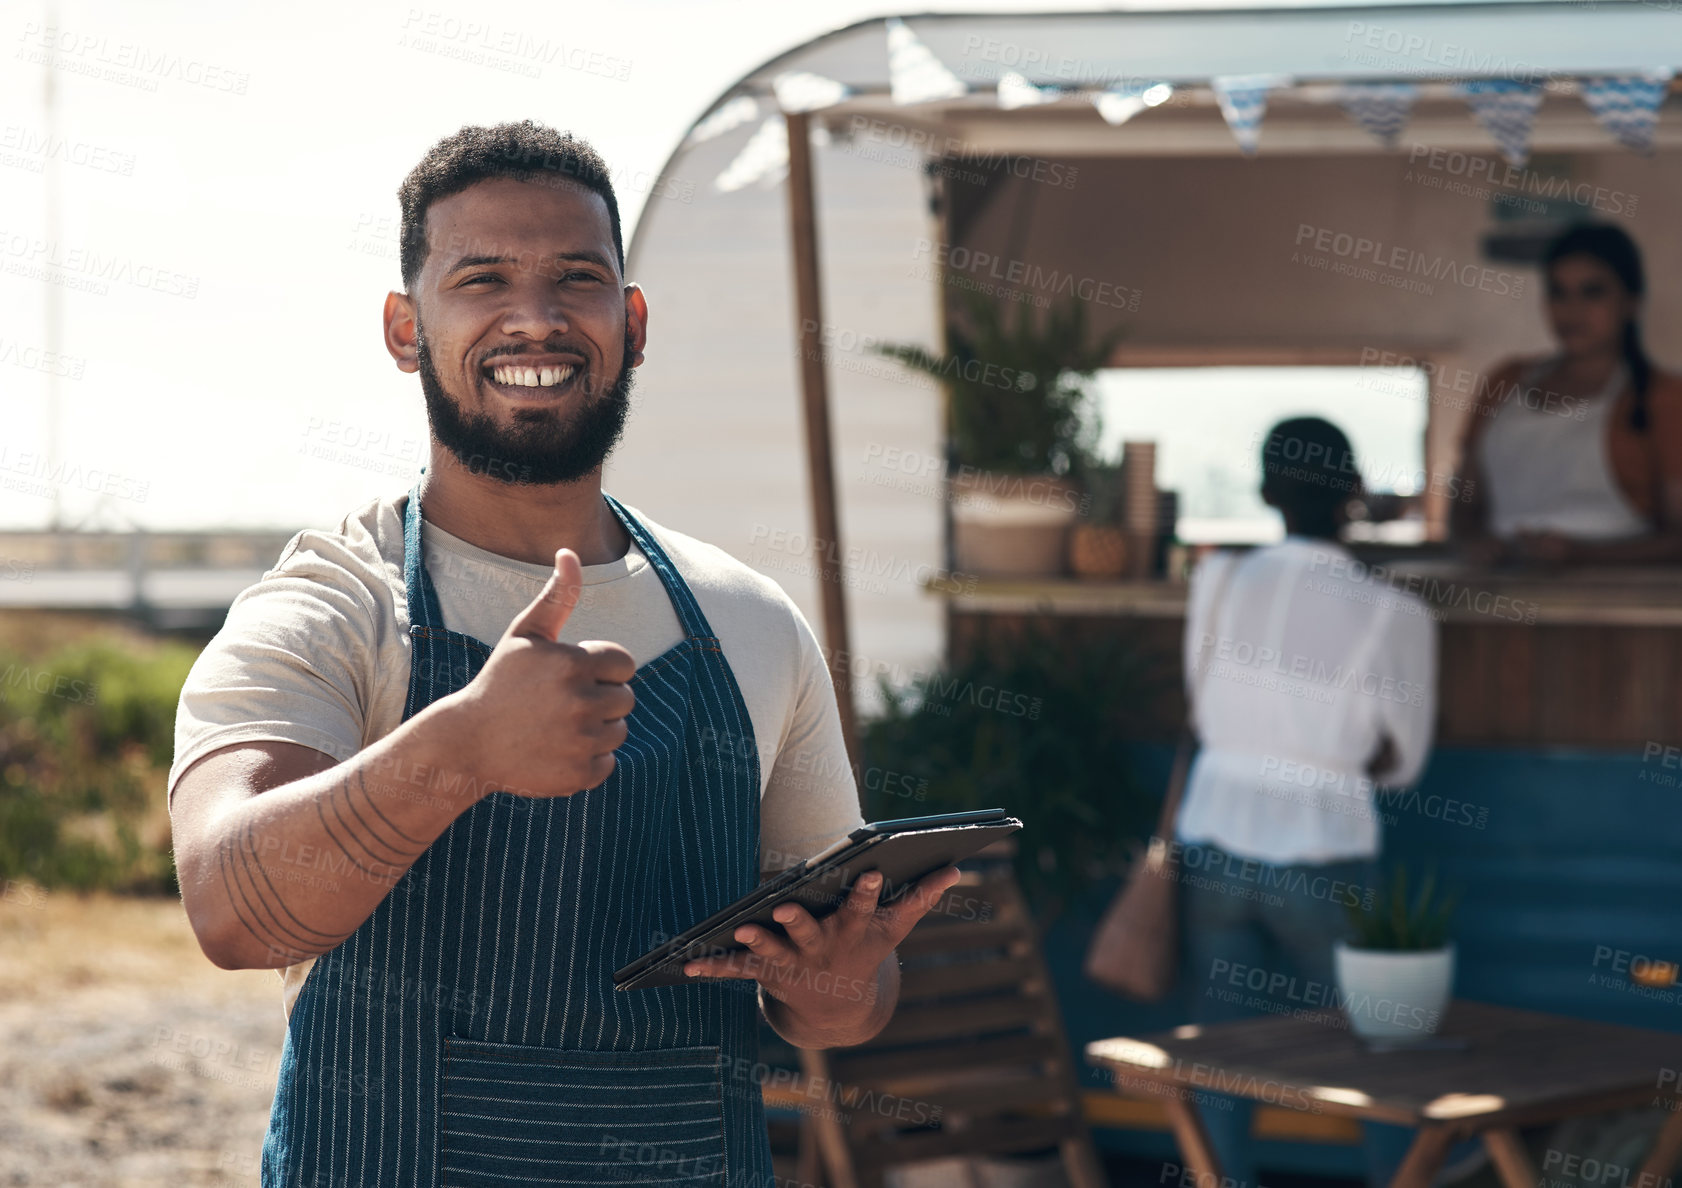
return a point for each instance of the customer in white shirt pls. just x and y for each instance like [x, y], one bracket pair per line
[1309, 685]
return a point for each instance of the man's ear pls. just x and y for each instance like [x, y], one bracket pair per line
[636, 322]
[402, 331]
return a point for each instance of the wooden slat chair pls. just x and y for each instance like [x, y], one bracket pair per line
[975, 1060]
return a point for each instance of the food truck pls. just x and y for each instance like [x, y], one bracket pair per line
[1348, 199]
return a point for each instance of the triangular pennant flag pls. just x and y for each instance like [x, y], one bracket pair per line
[732, 114]
[1016, 91]
[1380, 108]
[1627, 105]
[915, 75]
[1506, 108]
[1120, 104]
[801, 90]
[1243, 100]
[763, 159]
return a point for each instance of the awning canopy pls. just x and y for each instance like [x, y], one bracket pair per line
[1030, 84]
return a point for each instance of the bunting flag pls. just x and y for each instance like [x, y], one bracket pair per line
[732, 114]
[1627, 105]
[1243, 100]
[915, 75]
[1380, 108]
[1506, 108]
[763, 159]
[1120, 104]
[1016, 91]
[801, 90]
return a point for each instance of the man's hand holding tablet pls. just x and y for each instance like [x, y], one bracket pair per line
[829, 974]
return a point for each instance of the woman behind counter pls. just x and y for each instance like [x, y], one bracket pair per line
[1577, 457]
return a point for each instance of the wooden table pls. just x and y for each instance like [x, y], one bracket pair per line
[1515, 1068]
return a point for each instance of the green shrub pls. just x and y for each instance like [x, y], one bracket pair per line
[86, 737]
[1032, 723]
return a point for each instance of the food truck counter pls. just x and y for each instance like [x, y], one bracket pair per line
[1527, 657]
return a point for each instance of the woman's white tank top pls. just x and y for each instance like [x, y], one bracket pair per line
[1544, 472]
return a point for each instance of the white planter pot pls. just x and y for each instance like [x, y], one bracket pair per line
[1011, 525]
[1394, 996]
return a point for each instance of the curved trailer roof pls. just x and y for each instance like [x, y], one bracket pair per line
[1552, 41]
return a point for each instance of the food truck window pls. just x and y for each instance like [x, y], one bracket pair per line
[1209, 423]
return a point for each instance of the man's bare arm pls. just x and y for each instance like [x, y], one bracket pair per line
[282, 854]
[257, 825]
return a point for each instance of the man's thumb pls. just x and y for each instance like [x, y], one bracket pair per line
[550, 610]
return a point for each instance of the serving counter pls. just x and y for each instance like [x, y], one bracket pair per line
[1527, 657]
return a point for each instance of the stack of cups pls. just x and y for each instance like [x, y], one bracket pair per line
[1139, 505]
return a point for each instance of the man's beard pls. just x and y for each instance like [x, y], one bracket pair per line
[541, 448]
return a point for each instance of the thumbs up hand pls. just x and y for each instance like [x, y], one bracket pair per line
[543, 718]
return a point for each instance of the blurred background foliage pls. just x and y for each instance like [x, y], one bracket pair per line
[1035, 722]
[87, 720]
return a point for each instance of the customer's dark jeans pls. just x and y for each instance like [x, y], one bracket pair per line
[1258, 940]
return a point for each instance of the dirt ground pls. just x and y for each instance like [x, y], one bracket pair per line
[126, 1058]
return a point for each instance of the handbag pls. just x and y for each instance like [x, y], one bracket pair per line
[1135, 950]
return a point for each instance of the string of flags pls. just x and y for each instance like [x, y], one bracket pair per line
[1243, 101]
[1381, 109]
[1626, 105]
[1506, 108]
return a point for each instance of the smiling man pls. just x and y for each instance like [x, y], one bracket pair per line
[411, 775]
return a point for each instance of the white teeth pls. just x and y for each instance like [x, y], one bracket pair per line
[532, 377]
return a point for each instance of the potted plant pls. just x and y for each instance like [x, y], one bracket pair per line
[1097, 542]
[1032, 720]
[1021, 421]
[1395, 975]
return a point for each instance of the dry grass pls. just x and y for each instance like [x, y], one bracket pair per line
[126, 1058]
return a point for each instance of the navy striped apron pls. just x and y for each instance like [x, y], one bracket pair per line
[468, 1033]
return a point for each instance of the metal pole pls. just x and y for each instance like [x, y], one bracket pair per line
[54, 301]
[814, 391]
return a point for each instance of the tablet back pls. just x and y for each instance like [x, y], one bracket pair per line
[902, 857]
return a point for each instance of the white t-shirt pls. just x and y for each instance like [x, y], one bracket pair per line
[1309, 663]
[317, 653]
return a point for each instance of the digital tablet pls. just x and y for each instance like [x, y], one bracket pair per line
[904, 851]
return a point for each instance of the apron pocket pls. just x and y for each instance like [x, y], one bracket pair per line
[512, 1114]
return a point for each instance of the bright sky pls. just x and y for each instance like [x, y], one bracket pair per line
[241, 202]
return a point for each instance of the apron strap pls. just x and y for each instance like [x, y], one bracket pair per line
[695, 625]
[423, 599]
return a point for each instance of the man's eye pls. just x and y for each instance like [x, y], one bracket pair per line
[578, 275]
[483, 276]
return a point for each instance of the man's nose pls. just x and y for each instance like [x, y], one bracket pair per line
[536, 314]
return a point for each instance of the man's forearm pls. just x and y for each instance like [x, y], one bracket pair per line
[853, 1013]
[291, 873]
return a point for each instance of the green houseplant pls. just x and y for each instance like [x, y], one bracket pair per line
[1021, 423]
[1031, 720]
[1396, 972]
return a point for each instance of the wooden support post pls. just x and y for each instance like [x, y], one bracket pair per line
[1667, 1149]
[814, 391]
[1424, 1158]
[1512, 1161]
[1197, 1153]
